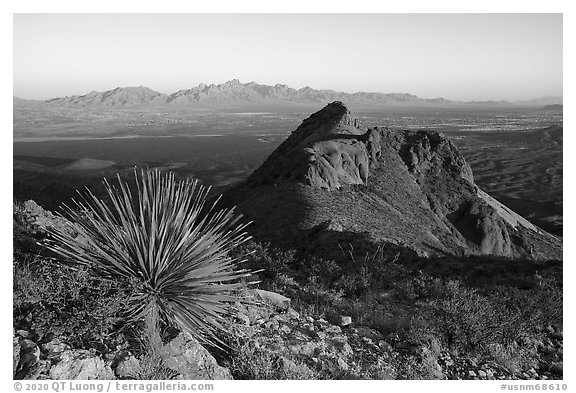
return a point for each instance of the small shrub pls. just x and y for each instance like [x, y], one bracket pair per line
[250, 362]
[270, 266]
[151, 368]
[512, 357]
[461, 318]
[377, 370]
[52, 298]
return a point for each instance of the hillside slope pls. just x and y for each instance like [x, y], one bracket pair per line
[334, 183]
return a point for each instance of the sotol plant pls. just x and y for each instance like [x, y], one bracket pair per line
[166, 241]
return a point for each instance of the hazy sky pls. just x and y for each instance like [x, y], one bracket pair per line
[456, 56]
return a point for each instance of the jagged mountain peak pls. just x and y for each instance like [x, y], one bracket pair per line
[334, 119]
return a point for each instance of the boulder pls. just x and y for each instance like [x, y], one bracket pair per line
[55, 348]
[186, 356]
[342, 364]
[80, 364]
[15, 354]
[128, 368]
[273, 299]
[30, 365]
[42, 220]
[340, 320]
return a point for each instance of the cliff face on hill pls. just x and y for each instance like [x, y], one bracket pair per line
[334, 183]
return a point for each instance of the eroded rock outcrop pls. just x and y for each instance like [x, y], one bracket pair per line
[411, 190]
[80, 364]
[186, 356]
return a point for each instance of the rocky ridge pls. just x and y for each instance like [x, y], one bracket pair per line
[333, 178]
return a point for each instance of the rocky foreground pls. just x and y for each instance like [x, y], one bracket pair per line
[274, 337]
[294, 346]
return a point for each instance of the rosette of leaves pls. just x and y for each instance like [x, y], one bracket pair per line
[169, 242]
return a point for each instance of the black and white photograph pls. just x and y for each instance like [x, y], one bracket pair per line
[287, 196]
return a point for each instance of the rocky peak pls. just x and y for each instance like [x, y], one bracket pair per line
[413, 189]
[232, 84]
[325, 142]
[333, 121]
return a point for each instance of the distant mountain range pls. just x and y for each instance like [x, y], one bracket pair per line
[234, 93]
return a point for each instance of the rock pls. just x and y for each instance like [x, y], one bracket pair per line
[321, 321]
[333, 329]
[345, 321]
[42, 220]
[293, 370]
[272, 324]
[80, 364]
[293, 314]
[312, 349]
[342, 364]
[24, 334]
[185, 355]
[15, 355]
[367, 332]
[128, 368]
[482, 374]
[471, 374]
[244, 319]
[384, 346]
[318, 335]
[340, 320]
[29, 363]
[54, 348]
[281, 318]
[273, 299]
[340, 343]
[36, 371]
[256, 313]
[285, 329]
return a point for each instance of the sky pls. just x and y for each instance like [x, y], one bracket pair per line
[455, 56]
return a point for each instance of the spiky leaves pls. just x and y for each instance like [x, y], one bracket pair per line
[167, 241]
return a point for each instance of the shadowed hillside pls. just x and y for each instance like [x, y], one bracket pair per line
[335, 182]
